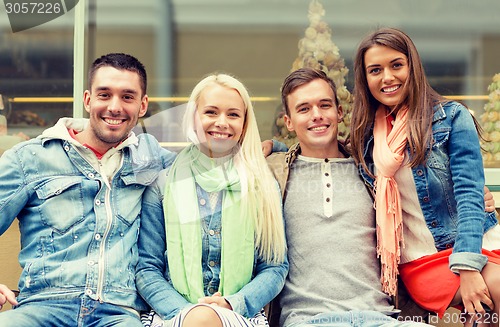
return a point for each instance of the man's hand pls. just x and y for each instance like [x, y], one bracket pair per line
[489, 201]
[6, 295]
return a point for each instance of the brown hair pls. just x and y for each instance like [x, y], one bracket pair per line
[120, 61]
[301, 77]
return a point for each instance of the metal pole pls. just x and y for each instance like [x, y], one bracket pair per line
[79, 58]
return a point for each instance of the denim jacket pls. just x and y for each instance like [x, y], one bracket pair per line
[78, 229]
[450, 186]
[153, 280]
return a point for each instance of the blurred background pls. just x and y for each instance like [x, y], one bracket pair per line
[43, 69]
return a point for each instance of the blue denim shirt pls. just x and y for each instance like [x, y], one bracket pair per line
[78, 236]
[450, 186]
[153, 280]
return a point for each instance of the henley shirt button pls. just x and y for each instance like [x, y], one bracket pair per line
[97, 237]
[211, 263]
[88, 292]
[449, 246]
[91, 263]
[211, 232]
[91, 175]
[211, 290]
[66, 148]
[327, 174]
[326, 160]
[98, 202]
[203, 202]
[426, 199]
[434, 224]
[327, 199]
[328, 185]
[420, 172]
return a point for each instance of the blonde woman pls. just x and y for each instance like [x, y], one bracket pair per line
[212, 245]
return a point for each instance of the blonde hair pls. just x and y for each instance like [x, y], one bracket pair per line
[258, 183]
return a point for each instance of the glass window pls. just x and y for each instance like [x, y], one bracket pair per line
[258, 41]
[36, 76]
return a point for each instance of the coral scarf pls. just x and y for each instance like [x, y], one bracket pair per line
[183, 224]
[388, 156]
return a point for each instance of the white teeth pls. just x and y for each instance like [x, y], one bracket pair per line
[220, 136]
[319, 128]
[113, 121]
[390, 89]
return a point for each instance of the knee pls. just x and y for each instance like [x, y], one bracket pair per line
[491, 275]
[201, 316]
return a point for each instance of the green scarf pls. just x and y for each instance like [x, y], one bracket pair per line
[183, 224]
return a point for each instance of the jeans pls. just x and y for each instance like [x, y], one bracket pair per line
[354, 319]
[79, 312]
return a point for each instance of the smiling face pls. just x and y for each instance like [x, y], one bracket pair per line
[314, 117]
[219, 120]
[114, 103]
[386, 74]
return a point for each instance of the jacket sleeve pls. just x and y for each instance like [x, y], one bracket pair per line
[152, 270]
[278, 146]
[264, 287]
[464, 154]
[13, 189]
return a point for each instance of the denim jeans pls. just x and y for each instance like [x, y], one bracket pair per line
[354, 319]
[80, 312]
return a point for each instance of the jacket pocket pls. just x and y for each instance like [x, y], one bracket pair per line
[127, 204]
[61, 202]
[438, 155]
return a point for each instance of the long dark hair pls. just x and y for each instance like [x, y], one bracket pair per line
[421, 98]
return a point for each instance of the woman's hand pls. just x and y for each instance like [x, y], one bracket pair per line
[216, 299]
[267, 149]
[474, 292]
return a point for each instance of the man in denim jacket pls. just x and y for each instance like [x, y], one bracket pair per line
[76, 191]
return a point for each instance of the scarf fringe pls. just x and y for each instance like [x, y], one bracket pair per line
[389, 262]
